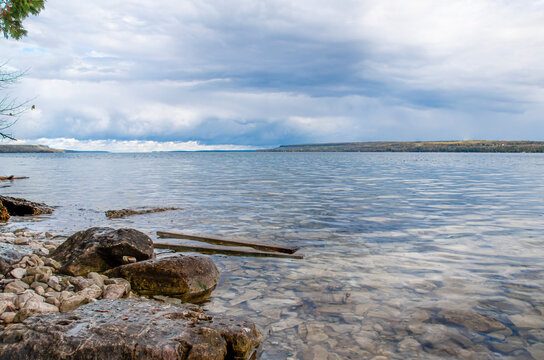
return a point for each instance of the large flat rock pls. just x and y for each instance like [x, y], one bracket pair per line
[130, 329]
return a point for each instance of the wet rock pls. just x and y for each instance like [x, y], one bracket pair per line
[99, 249]
[536, 351]
[130, 329]
[472, 320]
[190, 278]
[408, 344]
[528, 321]
[117, 214]
[22, 207]
[511, 344]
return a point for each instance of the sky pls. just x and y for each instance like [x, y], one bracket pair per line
[131, 75]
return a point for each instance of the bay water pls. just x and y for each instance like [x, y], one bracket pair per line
[406, 255]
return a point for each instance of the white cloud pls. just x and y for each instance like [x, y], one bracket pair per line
[113, 145]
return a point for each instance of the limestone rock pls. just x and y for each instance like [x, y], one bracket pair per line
[92, 292]
[21, 207]
[528, 321]
[34, 307]
[8, 317]
[99, 249]
[18, 273]
[190, 278]
[130, 329]
[115, 291]
[16, 287]
[73, 302]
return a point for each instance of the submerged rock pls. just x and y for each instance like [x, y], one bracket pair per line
[130, 329]
[190, 278]
[22, 207]
[472, 320]
[99, 249]
[117, 214]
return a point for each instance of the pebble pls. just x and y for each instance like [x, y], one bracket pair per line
[8, 317]
[16, 287]
[53, 283]
[20, 241]
[4, 304]
[18, 273]
[92, 292]
[97, 278]
[115, 291]
[72, 303]
[44, 271]
[34, 307]
[408, 344]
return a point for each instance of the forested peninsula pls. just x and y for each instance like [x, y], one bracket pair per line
[419, 146]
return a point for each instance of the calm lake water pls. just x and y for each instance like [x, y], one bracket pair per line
[406, 255]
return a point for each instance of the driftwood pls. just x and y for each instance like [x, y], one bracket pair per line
[262, 247]
[232, 251]
[5, 178]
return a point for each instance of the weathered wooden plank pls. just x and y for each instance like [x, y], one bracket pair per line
[215, 241]
[225, 251]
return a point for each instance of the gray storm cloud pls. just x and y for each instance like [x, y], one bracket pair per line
[261, 73]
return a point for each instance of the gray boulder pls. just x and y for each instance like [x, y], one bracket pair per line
[99, 249]
[190, 278]
[130, 329]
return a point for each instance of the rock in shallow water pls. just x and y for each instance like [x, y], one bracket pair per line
[130, 329]
[99, 249]
[190, 278]
[21, 207]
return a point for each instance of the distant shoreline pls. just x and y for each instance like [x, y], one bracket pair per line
[481, 146]
[487, 146]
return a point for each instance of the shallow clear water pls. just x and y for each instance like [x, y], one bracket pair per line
[406, 255]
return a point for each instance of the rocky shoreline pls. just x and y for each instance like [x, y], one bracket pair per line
[96, 296]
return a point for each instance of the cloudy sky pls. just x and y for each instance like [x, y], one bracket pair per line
[176, 74]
